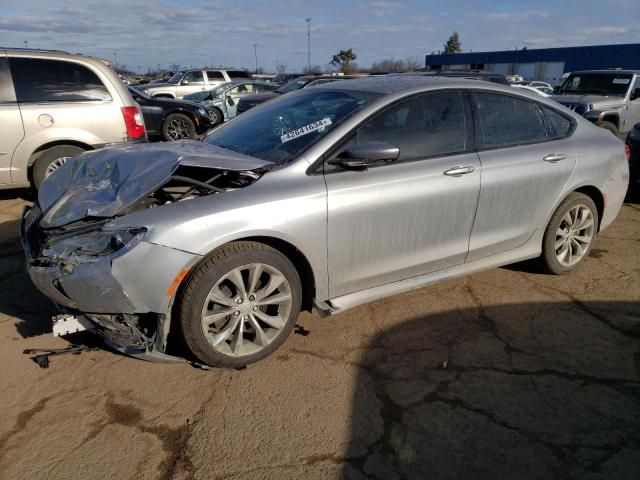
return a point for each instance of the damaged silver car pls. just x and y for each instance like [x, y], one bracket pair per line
[330, 197]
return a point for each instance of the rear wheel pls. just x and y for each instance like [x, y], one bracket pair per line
[177, 126]
[570, 234]
[240, 304]
[52, 159]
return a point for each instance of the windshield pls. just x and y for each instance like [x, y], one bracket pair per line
[597, 84]
[281, 130]
[176, 77]
[294, 85]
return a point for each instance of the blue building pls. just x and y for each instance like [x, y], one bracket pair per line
[548, 64]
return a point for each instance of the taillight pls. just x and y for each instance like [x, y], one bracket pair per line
[627, 151]
[134, 122]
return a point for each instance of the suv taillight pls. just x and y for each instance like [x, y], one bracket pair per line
[134, 122]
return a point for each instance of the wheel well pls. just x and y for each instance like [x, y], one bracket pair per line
[300, 263]
[38, 151]
[596, 195]
[182, 112]
[611, 119]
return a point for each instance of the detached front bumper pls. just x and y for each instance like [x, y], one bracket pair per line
[127, 295]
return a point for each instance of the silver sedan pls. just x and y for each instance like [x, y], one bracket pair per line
[329, 197]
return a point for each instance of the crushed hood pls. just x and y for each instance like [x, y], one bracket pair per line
[107, 181]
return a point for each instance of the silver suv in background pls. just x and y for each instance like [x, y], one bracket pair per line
[191, 81]
[608, 98]
[54, 106]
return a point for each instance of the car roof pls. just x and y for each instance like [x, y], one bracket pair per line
[398, 83]
[613, 71]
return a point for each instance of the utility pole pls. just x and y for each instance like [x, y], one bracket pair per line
[308, 20]
[115, 61]
[255, 52]
[26, 44]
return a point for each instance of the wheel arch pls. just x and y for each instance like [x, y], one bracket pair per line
[596, 195]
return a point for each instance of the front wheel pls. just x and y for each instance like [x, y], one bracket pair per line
[240, 304]
[215, 116]
[570, 234]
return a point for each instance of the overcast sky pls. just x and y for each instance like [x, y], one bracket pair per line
[145, 33]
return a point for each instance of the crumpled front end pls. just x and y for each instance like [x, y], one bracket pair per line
[111, 275]
[124, 289]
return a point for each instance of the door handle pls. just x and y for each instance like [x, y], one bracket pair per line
[554, 157]
[459, 170]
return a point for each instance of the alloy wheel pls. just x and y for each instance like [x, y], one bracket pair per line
[177, 128]
[53, 166]
[246, 309]
[574, 235]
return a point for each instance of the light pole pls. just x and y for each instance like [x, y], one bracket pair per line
[115, 61]
[255, 52]
[308, 20]
[26, 44]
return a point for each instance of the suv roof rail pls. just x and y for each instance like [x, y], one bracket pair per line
[18, 49]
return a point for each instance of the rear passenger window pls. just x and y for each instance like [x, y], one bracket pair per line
[424, 126]
[212, 75]
[558, 126]
[40, 80]
[507, 121]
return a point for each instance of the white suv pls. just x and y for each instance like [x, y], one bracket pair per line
[54, 106]
[191, 81]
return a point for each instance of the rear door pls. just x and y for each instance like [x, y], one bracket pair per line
[527, 159]
[412, 216]
[12, 131]
[194, 83]
[214, 78]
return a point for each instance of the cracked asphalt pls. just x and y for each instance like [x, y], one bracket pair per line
[505, 374]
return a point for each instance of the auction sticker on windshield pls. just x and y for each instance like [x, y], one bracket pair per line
[621, 81]
[312, 127]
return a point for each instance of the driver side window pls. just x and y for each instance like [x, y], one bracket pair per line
[194, 78]
[424, 126]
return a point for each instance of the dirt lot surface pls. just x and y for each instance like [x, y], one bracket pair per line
[506, 374]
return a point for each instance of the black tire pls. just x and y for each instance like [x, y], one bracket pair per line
[548, 258]
[609, 126]
[177, 126]
[216, 117]
[49, 158]
[206, 275]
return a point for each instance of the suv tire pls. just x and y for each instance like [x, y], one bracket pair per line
[570, 233]
[609, 126]
[51, 159]
[240, 304]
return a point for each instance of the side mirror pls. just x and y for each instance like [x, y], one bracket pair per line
[184, 82]
[359, 157]
[230, 101]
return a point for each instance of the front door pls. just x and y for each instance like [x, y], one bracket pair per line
[527, 159]
[410, 217]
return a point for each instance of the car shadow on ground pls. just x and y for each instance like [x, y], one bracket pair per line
[523, 391]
